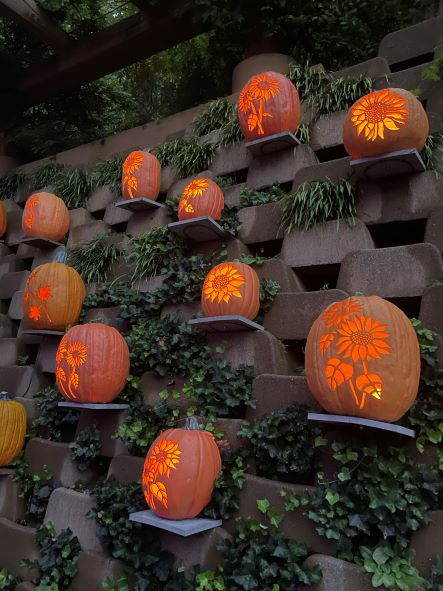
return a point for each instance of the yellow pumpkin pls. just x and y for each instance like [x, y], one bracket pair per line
[12, 429]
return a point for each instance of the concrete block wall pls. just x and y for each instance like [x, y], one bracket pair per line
[393, 249]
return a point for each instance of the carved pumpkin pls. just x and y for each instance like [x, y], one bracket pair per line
[45, 215]
[141, 176]
[3, 219]
[201, 197]
[53, 297]
[385, 121]
[92, 363]
[268, 104]
[12, 428]
[362, 359]
[231, 288]
[180, 470]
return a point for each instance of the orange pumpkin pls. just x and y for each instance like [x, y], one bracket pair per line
[53, 297]
[231, 288]
[201, 197]
[385, 121]
[3, 219]
[362, 359]
[268, 104]
[92, 363]
[141, 176]
[45, 215]
[180, 470]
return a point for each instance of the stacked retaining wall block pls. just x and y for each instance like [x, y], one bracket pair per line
[393, 249]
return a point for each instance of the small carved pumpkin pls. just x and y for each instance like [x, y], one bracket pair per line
[231, 289]
[3, 219]
[92, 363]
[141, 176]
[268, 104]
[362, 359]
[53, 297]
[12, 428]
[385, 121]
[180, 470]
[45, 215]
[201, 197]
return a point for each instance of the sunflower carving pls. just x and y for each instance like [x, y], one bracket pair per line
[378, 111]
[72, 355]
[163, 458]
[253, 98]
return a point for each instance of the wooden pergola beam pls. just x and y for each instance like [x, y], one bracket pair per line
[27, 14]
[124, 43]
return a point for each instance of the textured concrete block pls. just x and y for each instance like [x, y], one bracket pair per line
[93, 569]
[431, 308]
[80, 217]
[401, 271]
[327, 131]
[295, 524]
[142, 222]
[409, 78]
[26, 251]
[230, 428]
[233, 194]
[46, 255]
[281, 320]
[149, 284]
[45, 360]
[11, 506]
[184, 311]
[400, 199]
[273, 392]
[116, 215]
[6, 326]
[109, 316]
[32, 410]
[10, 263]
[411, 42]
[107, 423]
[22, 380]
[68, 508]
[168, 177]
[17, 542]
[151, 384]
[259, 349]
[261, 223]
[434, 225]
[200, 549]
[100, 199]
[15, 310]
[231, 159]
[279, 271]
[12, 282]
[375, 67]
[126, 469]
[81, 235]
[281, 167]
[338, 574]
[427, 542]
[57, 457]
[325, 244]
[10, 349]
[334, 170]
[14, 233]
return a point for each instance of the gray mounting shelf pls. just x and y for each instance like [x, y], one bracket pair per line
[6, 471]
[32, 337]
[397, 163]
[138, 204]
[201, 229]
[359, 422]
[232, 323]
[92, 406]
[183, 527]
[41, 242]
[272, 143]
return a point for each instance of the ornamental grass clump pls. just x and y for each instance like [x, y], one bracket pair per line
[94, 259]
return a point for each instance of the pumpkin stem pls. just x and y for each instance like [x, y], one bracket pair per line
[61, 257]
[4, 395]
[191, 424]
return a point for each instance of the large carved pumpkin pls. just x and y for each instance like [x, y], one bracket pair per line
[268, 104]
[362, 359]
[53, 297]
[180, 470]
[3, 219]
[201, 197]
[141, 176]
[45, 215]
[92, 363]
[12, 429]
[385, 121]
[231, 288]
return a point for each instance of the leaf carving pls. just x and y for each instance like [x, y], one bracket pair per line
[326, 341]
[338, 372]
[252, 121]
[370, 384]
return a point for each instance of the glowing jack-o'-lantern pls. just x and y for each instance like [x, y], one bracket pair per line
[12, 428]
[53, 297]
[92, 363]
[180, 470]
[141, 176]
[231, 289]
[201, 197]
[385, 121]
[3, 219]
[268, 104]
[362, 359]
[45, 215]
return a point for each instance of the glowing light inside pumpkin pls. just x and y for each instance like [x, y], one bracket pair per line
[222, 282]
[253, 97]
[42, 293]
[164, 457]
[71, 355]
[357, 338]
[132, 163]
[377, 111]
[192, 191]
[29, 212]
